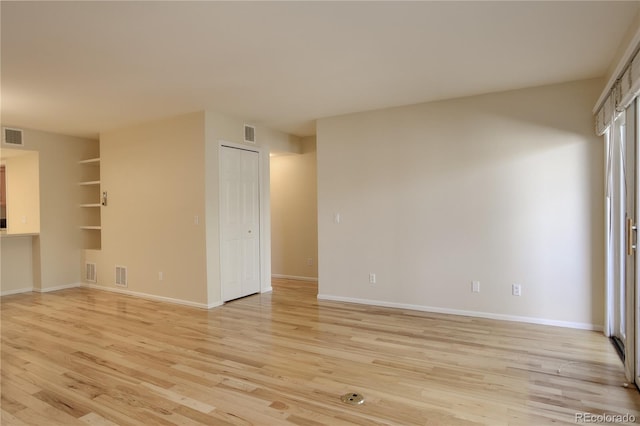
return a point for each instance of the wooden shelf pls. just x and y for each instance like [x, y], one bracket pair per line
[95, 161]
[96, 228]
[90, 182]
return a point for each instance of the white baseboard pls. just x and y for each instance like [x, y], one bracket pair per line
[488, 315]
[293, 277]
[56, 288]
[154, 297]
[16, 291]
[40, 290]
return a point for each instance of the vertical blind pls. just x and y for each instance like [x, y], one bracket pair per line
[623, 92]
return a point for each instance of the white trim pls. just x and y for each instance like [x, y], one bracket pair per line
[60, 287]
[153, 297]
[293, 277]
[502, 317]
[40, 290]
[245, 146]
[265, 221]
[16, 291]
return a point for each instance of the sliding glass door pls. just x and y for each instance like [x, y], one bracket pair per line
[621, 266]
[616, 234]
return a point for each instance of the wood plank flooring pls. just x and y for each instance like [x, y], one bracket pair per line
[81, 356]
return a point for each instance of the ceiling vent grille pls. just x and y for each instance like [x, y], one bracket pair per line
[121, 276]
[249, 133]
[12, 137]
[90, 272]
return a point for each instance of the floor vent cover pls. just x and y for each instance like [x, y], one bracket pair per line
[121, 276]
[352, 398]
[90, 272]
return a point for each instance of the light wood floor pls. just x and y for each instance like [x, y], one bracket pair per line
[81, 356]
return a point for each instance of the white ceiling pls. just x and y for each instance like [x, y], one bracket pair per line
[80, 68]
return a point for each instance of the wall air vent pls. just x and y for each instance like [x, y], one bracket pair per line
[121, 276]
[12, 137]
[249, 133]
[90, 272]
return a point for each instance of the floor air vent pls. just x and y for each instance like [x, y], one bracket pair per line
[90, 272]
[352, 398]
[12, 137]
[121, 276]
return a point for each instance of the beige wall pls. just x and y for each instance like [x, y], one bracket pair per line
[159, 176]
[23, 193]
[627, 44]
[56, 253]
[294, 224]
[154, 176]
[17, 264]
[503, 188]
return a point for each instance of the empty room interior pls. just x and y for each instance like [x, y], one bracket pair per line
[319, 213]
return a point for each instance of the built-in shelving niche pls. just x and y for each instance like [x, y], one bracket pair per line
[90, 206]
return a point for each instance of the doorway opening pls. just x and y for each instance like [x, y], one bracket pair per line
[294, 223]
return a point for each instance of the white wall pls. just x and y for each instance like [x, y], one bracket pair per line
[503, 188]
[294, 224]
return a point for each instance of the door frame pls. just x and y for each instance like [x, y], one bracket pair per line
[622, 182]
[265, 215]
[631, 257]
[633, 294]
[610, 263]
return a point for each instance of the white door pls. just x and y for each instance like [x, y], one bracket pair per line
[239, 222]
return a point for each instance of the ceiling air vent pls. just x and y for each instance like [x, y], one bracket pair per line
[249, 133]
[12, 136]
[121, 276]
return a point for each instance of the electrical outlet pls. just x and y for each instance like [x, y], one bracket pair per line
[475, 286]
[160, 276]
[372, 278]
[516, 290]
[309, 261]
